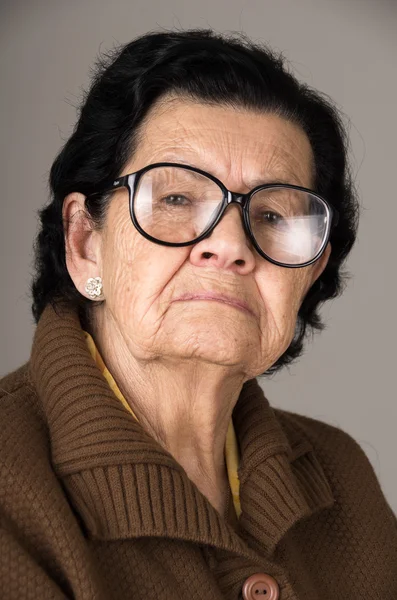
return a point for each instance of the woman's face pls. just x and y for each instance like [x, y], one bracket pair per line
[142, 281]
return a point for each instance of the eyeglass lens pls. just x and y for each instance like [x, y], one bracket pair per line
[176, 205]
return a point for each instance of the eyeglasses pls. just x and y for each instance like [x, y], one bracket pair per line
[178, 205]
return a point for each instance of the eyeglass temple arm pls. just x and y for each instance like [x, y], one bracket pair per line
[113, 185]
[119, 182]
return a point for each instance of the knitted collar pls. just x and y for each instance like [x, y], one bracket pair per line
[123, 484]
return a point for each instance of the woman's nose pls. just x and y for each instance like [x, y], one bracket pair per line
[228, 246]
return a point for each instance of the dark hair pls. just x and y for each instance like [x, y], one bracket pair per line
[211, 68]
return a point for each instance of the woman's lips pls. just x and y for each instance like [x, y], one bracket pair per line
[216, 296]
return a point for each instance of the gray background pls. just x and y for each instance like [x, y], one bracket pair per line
[347, 49]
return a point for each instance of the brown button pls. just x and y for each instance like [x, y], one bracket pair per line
[261, 586]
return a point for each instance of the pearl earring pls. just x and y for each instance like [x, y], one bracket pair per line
[93, 287]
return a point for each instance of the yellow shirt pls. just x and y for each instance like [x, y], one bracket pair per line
[232, 455]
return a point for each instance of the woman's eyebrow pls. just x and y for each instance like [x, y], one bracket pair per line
[260, 180]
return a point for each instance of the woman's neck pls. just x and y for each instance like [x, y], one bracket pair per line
[186, 406]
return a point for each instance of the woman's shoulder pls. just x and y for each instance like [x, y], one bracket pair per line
[330, 442]
[18, 399]
[14, 380]
[341, 456]
[24, 439]
[321, 434]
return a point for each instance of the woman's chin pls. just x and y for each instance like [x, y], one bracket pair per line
[214, 343]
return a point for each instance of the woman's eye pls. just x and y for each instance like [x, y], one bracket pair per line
[271, 217]
[175, 200]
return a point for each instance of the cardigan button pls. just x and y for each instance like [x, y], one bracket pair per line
[260, 585]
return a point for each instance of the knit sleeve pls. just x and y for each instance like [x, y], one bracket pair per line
[354, 541]
[21, 575]
[365, 526]
[29, 565]
[356, 477]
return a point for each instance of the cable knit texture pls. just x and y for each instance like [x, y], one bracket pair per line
[92, 507]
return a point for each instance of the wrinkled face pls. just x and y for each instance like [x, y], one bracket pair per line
[143, 281]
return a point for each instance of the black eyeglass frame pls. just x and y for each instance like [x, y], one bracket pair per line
[131, 180]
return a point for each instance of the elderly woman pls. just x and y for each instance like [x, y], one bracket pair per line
[200, 213]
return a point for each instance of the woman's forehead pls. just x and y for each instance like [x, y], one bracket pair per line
[257, 148]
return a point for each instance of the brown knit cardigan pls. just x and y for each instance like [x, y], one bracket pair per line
[92, 507]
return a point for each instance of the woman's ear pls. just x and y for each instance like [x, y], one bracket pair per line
[82, 242]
